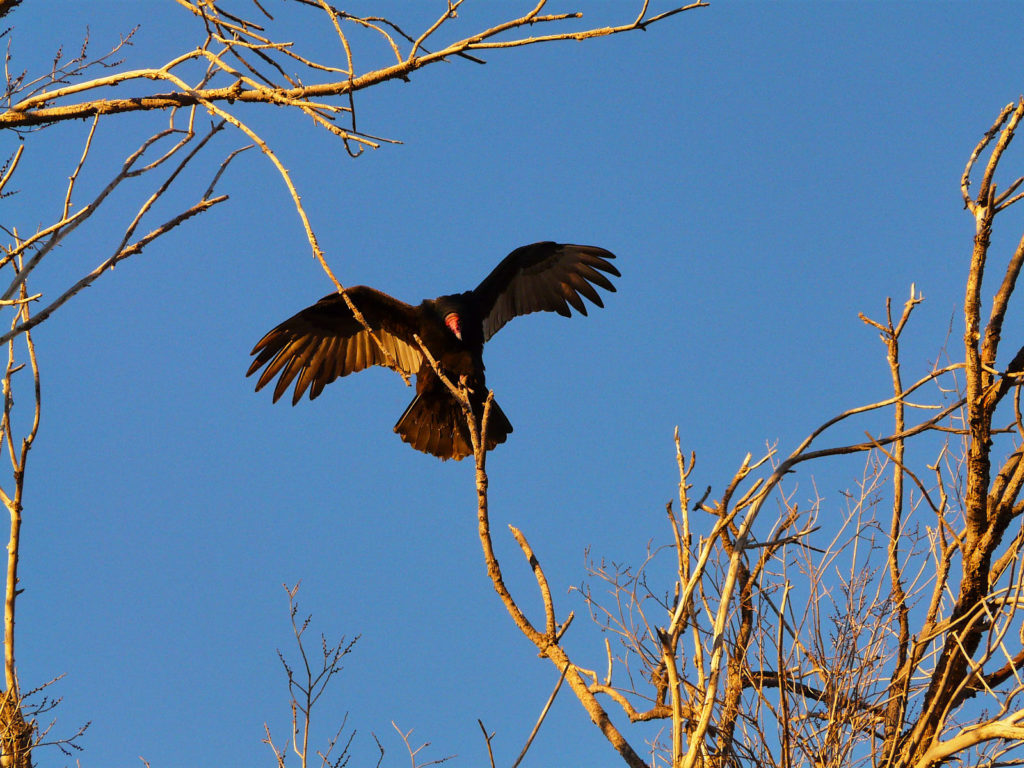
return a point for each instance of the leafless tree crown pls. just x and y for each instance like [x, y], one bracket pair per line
[884, 634]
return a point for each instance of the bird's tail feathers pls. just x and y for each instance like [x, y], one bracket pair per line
[434, 423]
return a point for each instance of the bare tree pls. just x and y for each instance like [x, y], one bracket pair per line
[893, 637]
[235, 63]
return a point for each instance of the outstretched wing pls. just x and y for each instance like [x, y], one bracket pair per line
[325, 341]
[543, 276]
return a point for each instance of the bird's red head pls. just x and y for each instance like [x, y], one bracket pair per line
[454, 324]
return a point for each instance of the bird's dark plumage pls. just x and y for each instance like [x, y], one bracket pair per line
[325, 341]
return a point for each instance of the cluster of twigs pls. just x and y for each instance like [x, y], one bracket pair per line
[870, 647]
[307, 683]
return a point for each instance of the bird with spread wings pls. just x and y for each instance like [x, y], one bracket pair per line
[325, 341]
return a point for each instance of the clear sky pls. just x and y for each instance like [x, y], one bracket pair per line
[763, 171]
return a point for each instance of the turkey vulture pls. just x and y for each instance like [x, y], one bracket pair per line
[325, 341]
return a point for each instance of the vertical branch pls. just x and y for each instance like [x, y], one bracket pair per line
[979, 368]
[732, 576]
[785, 748]
[984, 524]
[890, 335]
[683, 610]
[16, 740]
[11, 586]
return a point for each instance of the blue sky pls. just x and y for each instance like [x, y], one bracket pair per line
[764, 172]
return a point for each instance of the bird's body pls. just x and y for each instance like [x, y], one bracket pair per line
[325, 341]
